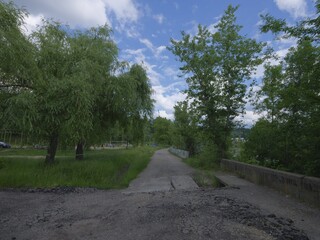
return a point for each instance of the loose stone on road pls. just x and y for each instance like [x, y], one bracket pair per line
[165, 172]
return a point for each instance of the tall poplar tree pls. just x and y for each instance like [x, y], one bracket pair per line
[217, 66]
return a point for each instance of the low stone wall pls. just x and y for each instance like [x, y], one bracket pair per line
[179, 152]
[299, 186]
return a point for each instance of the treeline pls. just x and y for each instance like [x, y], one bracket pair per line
[288, 136]
[218, 67]
[64, 85]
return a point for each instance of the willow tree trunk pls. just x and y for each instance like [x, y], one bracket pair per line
[79, 151]
[52, 149]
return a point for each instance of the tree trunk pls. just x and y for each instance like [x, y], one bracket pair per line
[79, 151]
[52, 149]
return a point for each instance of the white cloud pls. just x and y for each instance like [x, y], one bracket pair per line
[155, 50]
[31, 23]
[125, 10]
[258, 73]
[288, 41]
[139, 57]
[172, 73]
[160, 49]
[167, 97]
[83, 13]
[153, 75]
[147, 43]
[281, 53]
[297, 8]
[164, 114]
[194, 28]
[212, 27]
[249, 118]
[169, 71]
[159, 18]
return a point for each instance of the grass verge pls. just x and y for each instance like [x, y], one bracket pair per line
[206, 178]
[205, 165]
[102, 169]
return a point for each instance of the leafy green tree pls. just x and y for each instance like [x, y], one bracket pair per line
[140, 103]
[18, 69]
[294, 128]
[307, 29]
[268, 97]
[295, 134]
[74, 92]
[162, 131]
[64, 97]
[301, 107]
[94, 59]
[262, 143]
[217, 66]
[185, 129]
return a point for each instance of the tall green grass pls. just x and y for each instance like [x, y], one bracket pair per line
[103, 169]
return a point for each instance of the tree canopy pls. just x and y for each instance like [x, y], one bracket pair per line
[217, 66]
[68, 85]
[290, 97]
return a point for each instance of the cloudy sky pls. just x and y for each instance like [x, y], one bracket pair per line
[142, 30]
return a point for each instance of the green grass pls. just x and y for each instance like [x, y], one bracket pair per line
[206, 178]
[103, 169]
[201, 163]
[21, 152]
[205, 164]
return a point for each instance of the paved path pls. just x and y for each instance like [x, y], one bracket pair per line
[162, 203]
[269, 200]
[165, 172]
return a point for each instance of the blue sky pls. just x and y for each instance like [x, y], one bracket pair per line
[142, 30]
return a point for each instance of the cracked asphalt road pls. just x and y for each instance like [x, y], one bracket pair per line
[146, 210]
[165, 172]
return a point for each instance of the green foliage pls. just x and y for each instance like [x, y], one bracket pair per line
[205, 178]
[217, 66]
[138, 105]
[185, 134]
[102, 169]
[307, 29]
[272, 83]
[262, 141]
[289, 136]
[64, 84]
[17, 68]
[206, 159]
[162, 131]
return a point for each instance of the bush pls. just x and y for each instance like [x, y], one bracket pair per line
[206, 159]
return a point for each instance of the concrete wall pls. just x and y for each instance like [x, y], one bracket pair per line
[299, 186]
[179, 152]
